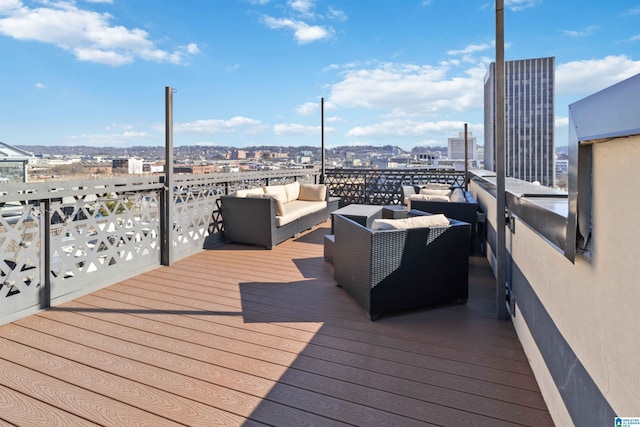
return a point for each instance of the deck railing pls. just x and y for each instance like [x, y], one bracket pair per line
[383, 186]
[88, 234]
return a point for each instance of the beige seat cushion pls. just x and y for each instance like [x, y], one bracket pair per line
[298, 209]
[438, 220]
[313, 192]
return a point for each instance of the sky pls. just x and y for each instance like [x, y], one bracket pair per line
[253, 72]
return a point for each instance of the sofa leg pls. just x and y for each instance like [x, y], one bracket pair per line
[374, 317]
[461, 301]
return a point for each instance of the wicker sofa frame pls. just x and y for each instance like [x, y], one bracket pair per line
[462, 211]
[253, 221]
[392, 270]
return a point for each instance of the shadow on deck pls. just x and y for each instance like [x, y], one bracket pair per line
[240, 335]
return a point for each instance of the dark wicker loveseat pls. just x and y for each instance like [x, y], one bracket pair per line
[391, 270]
[465, 210]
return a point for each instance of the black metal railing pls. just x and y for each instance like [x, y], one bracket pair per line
[383, 187]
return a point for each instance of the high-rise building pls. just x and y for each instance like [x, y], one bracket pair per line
[456, 147]
[529, 119]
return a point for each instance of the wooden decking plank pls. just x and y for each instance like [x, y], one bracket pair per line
[204, 282]
[471, 342]
[437, 395]
[468, 369]
[476, 359]
[17, 409]
[436, 378]
[82, 403]
[270, 335]
[183, 398]
[310, 403]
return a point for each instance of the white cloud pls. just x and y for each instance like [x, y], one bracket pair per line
[119, 126]
[307, 109]
[581, 33]
[98, 140]
[336, 14]
[631, 12]
[303, 32]
[88, 34]
[472, 48]
[517, 5]
[411, 89]
[304, 7]
[214, 126]
[100, 1]
[406, 128]
[41, 86]
[589, 76]
[299, 129]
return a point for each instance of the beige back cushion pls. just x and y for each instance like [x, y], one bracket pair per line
[293, 191]
[458, 196]
[438, 220]
[278, 191]
[313, 192]
[436, 186]
[245, 193]
[435, 192]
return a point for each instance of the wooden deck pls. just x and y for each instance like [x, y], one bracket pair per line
[241, 335]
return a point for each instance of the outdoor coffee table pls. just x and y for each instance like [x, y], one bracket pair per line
[362, 214]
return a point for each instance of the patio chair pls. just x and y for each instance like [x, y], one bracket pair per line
[392, 270]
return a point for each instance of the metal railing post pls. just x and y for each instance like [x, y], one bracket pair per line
[45, 292]
[166, 197]
[501, 255]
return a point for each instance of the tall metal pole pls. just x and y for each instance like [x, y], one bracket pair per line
[322, 140]
[466, 159]
[166, 197]
[501, 255]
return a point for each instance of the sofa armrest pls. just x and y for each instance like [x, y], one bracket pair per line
[248, 220]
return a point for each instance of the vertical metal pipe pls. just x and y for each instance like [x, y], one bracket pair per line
[45, 238]
[166, 198]
[322, 141]
[466, 159]
[501, 255]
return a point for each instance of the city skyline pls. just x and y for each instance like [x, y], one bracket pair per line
[252, 72]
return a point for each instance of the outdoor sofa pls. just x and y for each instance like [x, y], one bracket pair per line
[454, 203]
[270, 215]
[387, 270]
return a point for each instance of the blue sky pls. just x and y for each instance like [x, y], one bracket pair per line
[252, 72]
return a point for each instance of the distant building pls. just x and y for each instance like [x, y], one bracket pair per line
[129, 166]
[14, 163]
[456, 147]
[239, 155]
[529, 119]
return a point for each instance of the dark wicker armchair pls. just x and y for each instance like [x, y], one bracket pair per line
[391, 270]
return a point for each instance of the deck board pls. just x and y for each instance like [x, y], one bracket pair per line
[240, 335]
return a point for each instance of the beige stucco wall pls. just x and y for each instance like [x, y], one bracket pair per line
[596, 305]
